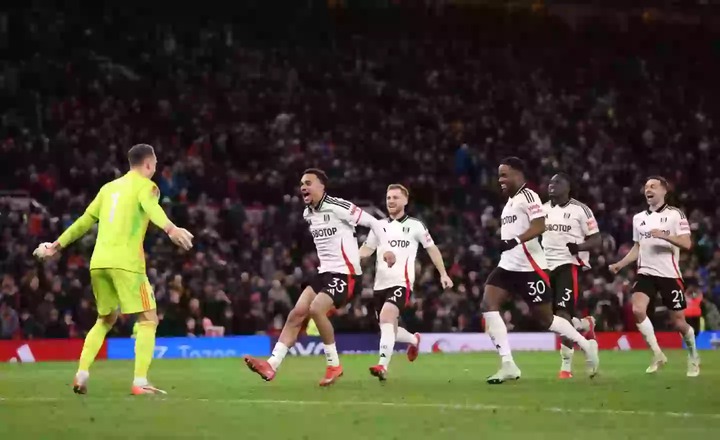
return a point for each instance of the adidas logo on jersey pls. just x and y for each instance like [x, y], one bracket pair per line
[537, 299]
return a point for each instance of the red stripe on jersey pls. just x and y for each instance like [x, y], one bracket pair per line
[351, 272]
[407, 283]
[544, 276]
[677, 272]
[576, 290]
[357, 220]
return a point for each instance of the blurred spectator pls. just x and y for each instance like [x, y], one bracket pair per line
[9, 322]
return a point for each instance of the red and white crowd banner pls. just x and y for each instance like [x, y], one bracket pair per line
[464, 342]
[43, 350]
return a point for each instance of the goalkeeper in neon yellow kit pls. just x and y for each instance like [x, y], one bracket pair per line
[122, 209]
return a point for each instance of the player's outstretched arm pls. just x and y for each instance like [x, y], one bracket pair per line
[368, 248]
[631, 257]
[366, 252]
[376, 226]
[75, 231]
[437, 260]
[148, 199]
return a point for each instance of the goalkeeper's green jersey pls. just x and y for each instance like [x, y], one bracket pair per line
[122, 210]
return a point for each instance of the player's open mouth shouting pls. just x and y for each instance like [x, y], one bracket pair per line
[307, 198]
[650, 196]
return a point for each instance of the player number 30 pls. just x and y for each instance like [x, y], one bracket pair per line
[536, 287]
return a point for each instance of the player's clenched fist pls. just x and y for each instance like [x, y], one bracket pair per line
[614, 268]
[389, 258]
[181, 237]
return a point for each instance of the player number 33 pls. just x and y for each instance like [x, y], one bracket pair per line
[337, 285]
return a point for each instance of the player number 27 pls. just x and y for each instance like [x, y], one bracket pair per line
[115, 197]
[536, 287]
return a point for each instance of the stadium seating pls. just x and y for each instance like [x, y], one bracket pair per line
[236, 114]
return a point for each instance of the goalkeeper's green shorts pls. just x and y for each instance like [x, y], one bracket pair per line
[113, 288]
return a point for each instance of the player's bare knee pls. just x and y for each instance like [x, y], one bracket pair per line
[389, 314]
[544, 321]
[298, 314]
[543, 315]
[640, 311]
[489, 305]
[679, 322]
[110, 319]
[564, 314]
[318, 309]
[149, 316]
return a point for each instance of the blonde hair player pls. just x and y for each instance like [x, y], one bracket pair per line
[394, 285]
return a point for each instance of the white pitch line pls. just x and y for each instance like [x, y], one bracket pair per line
[439, 406]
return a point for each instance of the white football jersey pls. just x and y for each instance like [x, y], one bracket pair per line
[568, 223]
[658, 257]
[332, 226]
[517, 214]
[403, 237]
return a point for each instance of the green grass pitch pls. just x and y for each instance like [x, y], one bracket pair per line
[437, 397]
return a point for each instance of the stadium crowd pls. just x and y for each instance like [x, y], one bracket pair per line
[235, 115]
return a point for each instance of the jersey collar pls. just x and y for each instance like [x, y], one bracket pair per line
[522, 187]
[660, 209]
[399, 220]
[553, 204]
[320, 203]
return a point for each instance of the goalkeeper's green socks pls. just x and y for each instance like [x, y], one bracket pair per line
[144, 349]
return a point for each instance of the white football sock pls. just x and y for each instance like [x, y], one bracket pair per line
[689, 339]
[405, 337]
[277, 356]
[563, 327]
[497, 330]
[140, 382]
[648, 332]
[566, 354]
[331, 355]
[387, 343]
[581, 324]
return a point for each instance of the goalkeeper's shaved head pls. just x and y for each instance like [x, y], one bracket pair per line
[142, 159]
